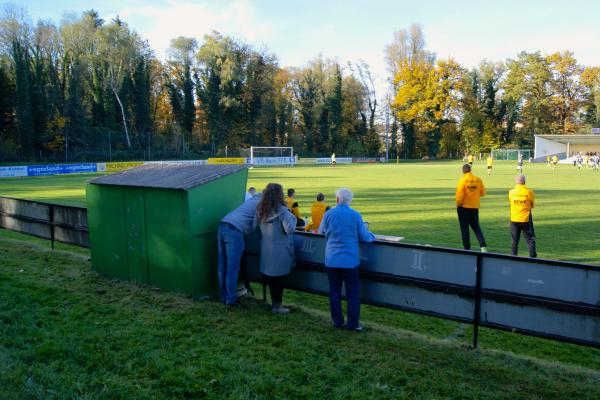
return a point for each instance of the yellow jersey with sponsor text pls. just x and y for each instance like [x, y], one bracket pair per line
[469, 191]
[522, 201]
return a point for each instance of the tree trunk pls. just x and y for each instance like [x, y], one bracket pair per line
[123, 115]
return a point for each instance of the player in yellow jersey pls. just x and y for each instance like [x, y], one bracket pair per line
[292, 205]
[470, 159]
[317, 211]
[554, 162]
[490, 164]
[468, 192]
[522, 200]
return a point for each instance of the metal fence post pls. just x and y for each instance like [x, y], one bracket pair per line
[476, 316]
[51, 210]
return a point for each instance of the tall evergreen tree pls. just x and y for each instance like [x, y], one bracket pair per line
[307, 93]
[23, 112]
[7, 114]
[335, 110]
[140, 100]
[75, 127]
[394, 138]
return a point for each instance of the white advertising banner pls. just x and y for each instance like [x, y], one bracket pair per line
[190, 162]
[9, 172]
[272, 161]
[338, 160]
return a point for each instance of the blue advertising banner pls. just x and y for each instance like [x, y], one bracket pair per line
[58, 169]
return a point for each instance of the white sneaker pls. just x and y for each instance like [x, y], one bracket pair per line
[484, 249]
[280, 310]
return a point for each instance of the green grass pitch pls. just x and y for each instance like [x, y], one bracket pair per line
[416, 200]
[66, 332]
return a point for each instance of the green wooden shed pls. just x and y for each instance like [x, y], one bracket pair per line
[157, 224]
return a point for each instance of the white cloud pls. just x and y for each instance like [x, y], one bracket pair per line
[161, 23]
[471, 49]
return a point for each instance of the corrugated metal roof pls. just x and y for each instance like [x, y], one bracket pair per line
[168, 176]
[572, 139]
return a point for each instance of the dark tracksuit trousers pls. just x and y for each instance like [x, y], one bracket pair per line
[527, 228]
[469, 217]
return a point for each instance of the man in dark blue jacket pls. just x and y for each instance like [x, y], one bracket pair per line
[344, 229]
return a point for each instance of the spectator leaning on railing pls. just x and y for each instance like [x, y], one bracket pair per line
[344, 229]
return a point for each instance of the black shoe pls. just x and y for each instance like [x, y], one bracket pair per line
[357, 328]
[339, 326]
[233, 305]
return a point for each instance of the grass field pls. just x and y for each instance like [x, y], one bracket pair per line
[416, 200]
[65, 332]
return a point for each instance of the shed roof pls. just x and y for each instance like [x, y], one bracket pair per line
[168, 176]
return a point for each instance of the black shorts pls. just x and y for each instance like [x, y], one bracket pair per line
[489, 167]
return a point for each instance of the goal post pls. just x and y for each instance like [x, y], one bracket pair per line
[272, 156]
[511, 154]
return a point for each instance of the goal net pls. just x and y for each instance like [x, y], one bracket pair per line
[270, 156]
[511, 154]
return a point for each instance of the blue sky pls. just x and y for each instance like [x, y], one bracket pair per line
[296, 31]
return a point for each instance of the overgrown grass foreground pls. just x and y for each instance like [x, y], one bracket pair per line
[66, 332]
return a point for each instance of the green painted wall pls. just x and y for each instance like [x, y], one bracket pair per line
[106, 224]
[207, 205]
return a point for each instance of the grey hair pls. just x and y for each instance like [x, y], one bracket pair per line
[520, 179]
[345, 195]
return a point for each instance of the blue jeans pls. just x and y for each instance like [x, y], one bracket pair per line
[231, 247]
[349, 277]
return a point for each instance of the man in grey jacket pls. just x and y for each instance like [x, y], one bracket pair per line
[232, 229]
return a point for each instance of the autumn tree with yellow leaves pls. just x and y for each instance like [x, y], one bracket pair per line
[428, 96]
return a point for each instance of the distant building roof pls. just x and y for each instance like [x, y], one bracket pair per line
[168, 176]
[572, 139]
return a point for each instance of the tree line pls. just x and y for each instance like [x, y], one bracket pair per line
[76, 90]
[443, 108]
[90, 89]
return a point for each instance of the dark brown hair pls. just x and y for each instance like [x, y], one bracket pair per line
[272, 197]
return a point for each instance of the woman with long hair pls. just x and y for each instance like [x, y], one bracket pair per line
[277, 225]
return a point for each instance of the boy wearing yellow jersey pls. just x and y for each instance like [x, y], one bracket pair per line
[468, 192]
[292, 205]
[470, 159]
[490, 164]
[522, 200]
[317, 211]
[554, 162]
